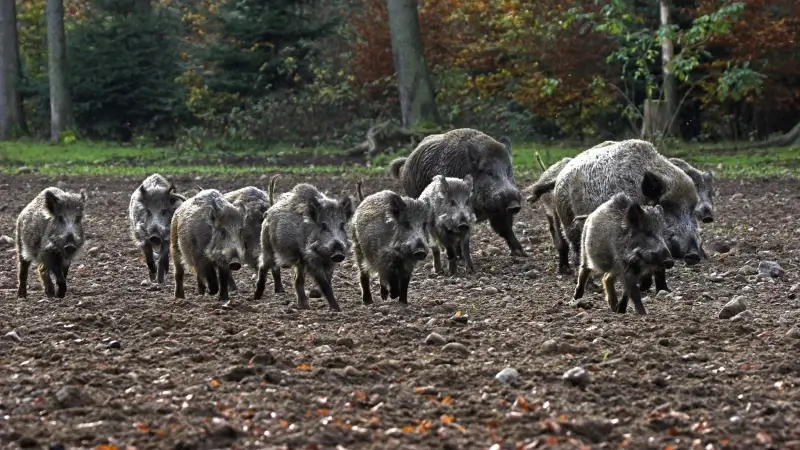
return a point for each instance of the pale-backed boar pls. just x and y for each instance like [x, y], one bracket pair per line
[452, 220]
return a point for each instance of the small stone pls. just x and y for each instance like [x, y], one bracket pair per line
[460, 318]
[92, 250]
[323, 349]
[577, 376]
[509, 375]
[491, 290]
[238, 373]
[23, 170]
[380, 389]
[157, 331]
[435, 339]
[549, 346]
[431, 322]
[662, 294]
[532, 274]
[492, 250]
[456, 347]
[507, 300]
[345, 341]
[314, 293]
[6, 241]
[581, 303]
[145, 283]
[733, 307]
[794, 332]
[262, 359]
[351, 371]
[743, 316]
[13, 336]
[114, 344]
[747, 270]
[737, 196]
[770, 268]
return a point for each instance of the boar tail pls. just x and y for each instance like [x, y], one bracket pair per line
[271, 189]
[358, 190]
[395, 166]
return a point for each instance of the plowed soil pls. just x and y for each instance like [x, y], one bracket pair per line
[121, 363]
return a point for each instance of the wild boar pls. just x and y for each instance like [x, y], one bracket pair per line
[452, 219]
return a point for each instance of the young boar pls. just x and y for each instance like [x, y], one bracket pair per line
[307, 230]
[390, 237]
[623, 239]
[150, 212]
[463, 152]
[704, 182]
[254, 203]
[452, 219]
[206, 234]
[542, 189]
[637, 169]
[50, 233]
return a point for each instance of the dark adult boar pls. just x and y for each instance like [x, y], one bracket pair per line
[452, 219]
[390, 236]
[463, 152]
[543, 188]
[637, 169]
[307, 230]
[206, 235]
[254, 203]
[50, 233]
[623, 239]
[150, 212]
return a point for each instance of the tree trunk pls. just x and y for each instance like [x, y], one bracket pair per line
[12, 119]
[669, 87]
[413, 77]
[60, 100]
[656, 118]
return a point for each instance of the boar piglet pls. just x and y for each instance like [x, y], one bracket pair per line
[623, 239]
[206, 235]
[50, 233]
[452, 219]
[463, 152]
[254, 204]
[306, 230]
[390, 236]
[543, 188]
[150, 212]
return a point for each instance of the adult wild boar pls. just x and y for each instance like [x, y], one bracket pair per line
[635, 168]
[463, 152]
[150, 212]
[50, 233]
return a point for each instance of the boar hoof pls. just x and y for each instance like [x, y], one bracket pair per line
[22, 293]
[565, 270]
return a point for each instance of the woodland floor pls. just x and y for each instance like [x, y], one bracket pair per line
[192, 374]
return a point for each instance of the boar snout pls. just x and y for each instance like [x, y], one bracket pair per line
[337, 252]
[155, 240]
[691, 259]
[70, 249]
[463, 226]
[420, 250]
[235, 264]
[668, 263]
[513, 207]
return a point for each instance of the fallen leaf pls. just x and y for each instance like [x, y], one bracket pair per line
[492, 424]
[551, 440]
[448, 400]
[360, 395]
[522, 403]
[284, 424]
[424, 426]
[407, 429]
[764, 438]
[214, 383]
[303, 367]
[374, 420]
[446, 419]
[323, 411]
[746, 366]
[161, 432]
[669, 447]
[106, 447]
[142, 427]
[672, 431]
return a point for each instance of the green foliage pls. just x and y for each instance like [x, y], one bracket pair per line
[124, 61]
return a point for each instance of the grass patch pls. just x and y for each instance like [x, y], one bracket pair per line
[97, 158]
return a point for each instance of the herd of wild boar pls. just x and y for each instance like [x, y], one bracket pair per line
[620, 209]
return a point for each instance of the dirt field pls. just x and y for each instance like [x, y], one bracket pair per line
[119, 363]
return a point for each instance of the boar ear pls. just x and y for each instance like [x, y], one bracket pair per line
[635, 215]
[175, 198]
[51, 201]
[83, 195]
[473, 156]
[346, 203]
[468, 180]
[652, 186]
[215, 209]
[396, 206]
[506, 141]
[314, 209]
[142, 190]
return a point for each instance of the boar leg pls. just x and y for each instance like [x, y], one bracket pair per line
[464, 251]
[437, 259]
[645, 282]
[65, 268]
[395, 283]
[366, 294]
[661, 280]
[23, 267]
[323, 279]
[610, 291]
[231, 282]
[47, 283]
[560, 244]
[503, 226]
[58, 272]
[224, 277]
[147, 251]
[580, 288]
[636, 296]
[384, 291]
[300, 286]
[452, 267]
[276, 279]
[403, 280]
[163, 265]
[261, 282]
[622, 308]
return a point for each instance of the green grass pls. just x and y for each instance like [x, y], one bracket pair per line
[95, 158]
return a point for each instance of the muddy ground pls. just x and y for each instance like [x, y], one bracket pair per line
[119, 363]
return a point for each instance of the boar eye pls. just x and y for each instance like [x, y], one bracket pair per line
[324, 227]
[341, 225]
[78, 218]
[452, 202]
[164, 212]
